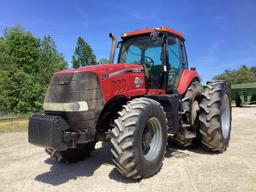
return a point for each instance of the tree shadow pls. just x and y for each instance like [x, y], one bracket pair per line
[60, 173]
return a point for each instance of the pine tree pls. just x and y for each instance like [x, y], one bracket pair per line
[83, 54]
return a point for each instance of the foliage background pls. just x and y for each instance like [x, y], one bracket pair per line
[26, 66]
[242, 75]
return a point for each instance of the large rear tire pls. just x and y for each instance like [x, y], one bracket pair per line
[215, 116]
[139, 138]
[72, 155]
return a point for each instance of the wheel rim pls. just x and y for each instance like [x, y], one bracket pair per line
[194, 109]
[225, 116]
[152, 139]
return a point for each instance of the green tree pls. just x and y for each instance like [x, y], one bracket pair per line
[242, 75]
[253, 69]
[22, 49]
[103, 61]
[83, 54]
[50, 59]
[26, 66]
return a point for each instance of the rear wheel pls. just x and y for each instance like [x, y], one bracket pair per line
[139, 138]
[215, 116]
[72, 155]
[190, 108]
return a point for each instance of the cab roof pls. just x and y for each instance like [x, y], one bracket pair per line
[149, 30]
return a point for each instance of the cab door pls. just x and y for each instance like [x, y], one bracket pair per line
[177, 61]
[154, 67]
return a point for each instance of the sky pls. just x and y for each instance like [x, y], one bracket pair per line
[220, 34]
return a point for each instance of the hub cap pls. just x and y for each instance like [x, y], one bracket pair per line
[152, 139]
[195, 109]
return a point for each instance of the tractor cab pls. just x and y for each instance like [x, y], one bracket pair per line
[162, 53]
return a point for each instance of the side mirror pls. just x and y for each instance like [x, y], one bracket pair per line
[119, 43]
[156, 35]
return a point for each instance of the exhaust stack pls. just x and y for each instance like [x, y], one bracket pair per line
[113, 48]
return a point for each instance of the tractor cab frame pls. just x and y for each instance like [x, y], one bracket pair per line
[162, 54]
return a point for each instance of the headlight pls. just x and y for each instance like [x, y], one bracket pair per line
[67, 107]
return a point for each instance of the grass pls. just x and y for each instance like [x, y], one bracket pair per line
[11, 116]
[17, 125]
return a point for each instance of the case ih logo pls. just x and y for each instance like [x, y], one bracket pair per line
[137, 82]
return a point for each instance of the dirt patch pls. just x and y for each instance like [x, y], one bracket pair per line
[13, 126]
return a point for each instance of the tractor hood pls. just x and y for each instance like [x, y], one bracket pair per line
[85, 88]
[105, 69]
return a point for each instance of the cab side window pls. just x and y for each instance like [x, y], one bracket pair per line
[134, 57]
[177, 59]
[183, 55]
[174, 53]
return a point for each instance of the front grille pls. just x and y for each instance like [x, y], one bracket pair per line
[83, 86]
[74, 87]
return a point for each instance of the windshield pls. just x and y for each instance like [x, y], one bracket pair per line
[141, 50]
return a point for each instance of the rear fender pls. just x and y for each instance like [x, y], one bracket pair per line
[186, 78]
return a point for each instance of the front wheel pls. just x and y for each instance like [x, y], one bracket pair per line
[72, 155]
[139, 138]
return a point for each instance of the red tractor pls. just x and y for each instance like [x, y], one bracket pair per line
[148, 95]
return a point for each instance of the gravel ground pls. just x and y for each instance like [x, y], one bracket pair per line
[25, 167]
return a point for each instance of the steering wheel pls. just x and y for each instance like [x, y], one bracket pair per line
[149, 62]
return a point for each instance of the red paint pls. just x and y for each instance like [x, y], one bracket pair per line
[123, 84]
[119, 85]
[100, 69]
[149, 30]
[186, 78]
[156, 91]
